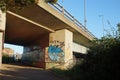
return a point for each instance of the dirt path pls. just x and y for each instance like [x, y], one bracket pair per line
[15, 72]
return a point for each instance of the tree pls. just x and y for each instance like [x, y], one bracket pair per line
[16, 4]
[118, 25]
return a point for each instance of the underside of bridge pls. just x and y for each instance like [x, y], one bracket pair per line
[47, 37]
[19, 30]
[22, 32]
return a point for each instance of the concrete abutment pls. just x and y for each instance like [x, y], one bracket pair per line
[2, 31]
[51, 50]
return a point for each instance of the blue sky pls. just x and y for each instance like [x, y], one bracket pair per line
[16, 48]
[108, 8]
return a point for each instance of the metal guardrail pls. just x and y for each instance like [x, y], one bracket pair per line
[65, 13]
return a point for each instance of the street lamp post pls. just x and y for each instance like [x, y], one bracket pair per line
[102, 23]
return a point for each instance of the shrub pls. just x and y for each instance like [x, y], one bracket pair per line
[7, 59]
[101, 62]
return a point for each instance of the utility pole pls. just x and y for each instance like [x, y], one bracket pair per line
[85, 21]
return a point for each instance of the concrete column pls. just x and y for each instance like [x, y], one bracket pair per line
[59, 53]
[2, 21]
[1, 44]
[2, 30]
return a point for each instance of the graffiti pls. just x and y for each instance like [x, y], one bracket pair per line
[55, 51]
[33, 54]
[56, 42]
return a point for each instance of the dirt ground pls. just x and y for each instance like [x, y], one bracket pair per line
[16, 72]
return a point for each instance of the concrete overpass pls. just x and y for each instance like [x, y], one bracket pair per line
[48, 33]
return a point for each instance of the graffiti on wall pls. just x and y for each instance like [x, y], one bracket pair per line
[33, 54]
[55, 51]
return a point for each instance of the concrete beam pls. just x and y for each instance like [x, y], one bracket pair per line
[22, 31]
[44, 14]
[70, 25]
[30, 21]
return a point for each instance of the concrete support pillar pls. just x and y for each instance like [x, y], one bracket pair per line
[59, 53]
[2, 30]
[1, 44]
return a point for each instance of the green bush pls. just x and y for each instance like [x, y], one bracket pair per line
[7, 59]
[101, 62]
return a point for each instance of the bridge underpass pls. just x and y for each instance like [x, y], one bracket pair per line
[19, 31]
[47, 36]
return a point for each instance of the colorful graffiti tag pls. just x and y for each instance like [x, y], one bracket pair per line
[55, 51]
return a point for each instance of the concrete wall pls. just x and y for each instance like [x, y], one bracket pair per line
[59, 52]
[1, 44]
[34, 53]
[53, 50]
[34, 56]
[79, 48]
[68, 49]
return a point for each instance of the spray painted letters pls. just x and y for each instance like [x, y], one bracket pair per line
[55, 51]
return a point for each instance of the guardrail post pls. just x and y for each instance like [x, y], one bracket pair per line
[62, 10]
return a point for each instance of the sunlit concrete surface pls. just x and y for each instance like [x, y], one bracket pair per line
[16, 72]
[49, 37]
